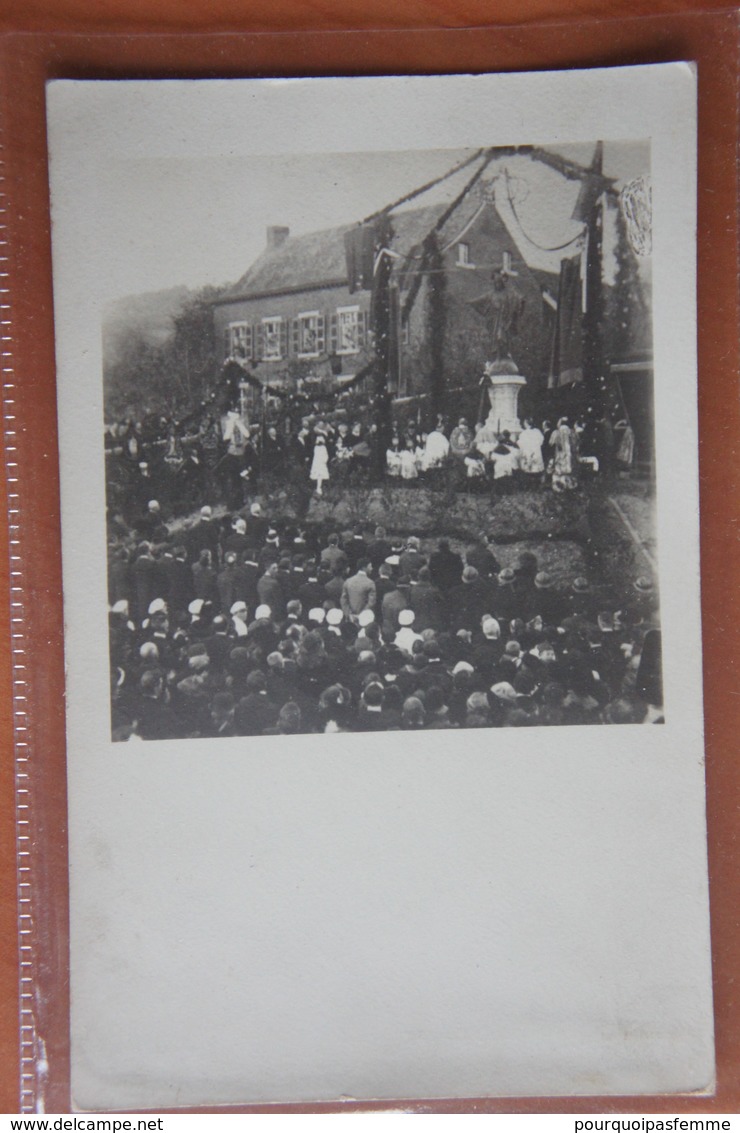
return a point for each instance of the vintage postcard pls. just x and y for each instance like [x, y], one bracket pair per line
[377, 404]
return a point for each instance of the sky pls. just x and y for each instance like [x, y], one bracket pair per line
[197, 221]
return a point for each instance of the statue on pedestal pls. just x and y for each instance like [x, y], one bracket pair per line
[502, 308]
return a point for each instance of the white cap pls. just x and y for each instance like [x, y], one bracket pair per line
[504, 691]
[157, 606]
[119, 607]
[240, 526]
[195, 606]
[238, 608]
[463, 667]
[317, 614]
[491, 627]
[263, 612]
[206, 512]
[334, 616]
[366, 618]
[406, 618]
[153, 505]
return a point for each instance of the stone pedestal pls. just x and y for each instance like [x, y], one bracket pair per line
[503, 393]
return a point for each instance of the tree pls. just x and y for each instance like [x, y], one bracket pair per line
[171, 378]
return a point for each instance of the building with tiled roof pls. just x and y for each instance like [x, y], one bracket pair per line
[292, 314]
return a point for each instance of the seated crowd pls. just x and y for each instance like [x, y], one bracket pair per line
[236, 627]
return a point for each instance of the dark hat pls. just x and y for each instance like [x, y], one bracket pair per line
[239, 660]
[524, 683]
[289, 717]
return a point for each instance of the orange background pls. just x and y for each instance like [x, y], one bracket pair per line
[127, 38]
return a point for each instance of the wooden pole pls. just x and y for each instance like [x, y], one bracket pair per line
[593, 319]
[381, 314]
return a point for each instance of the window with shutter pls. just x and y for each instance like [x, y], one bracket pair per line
[320, 334]
[295, 336]
[240, 341]
[333, 332]
[308, 334]
[275, 338]
[260, 353]
[361, 325]
[348, 330]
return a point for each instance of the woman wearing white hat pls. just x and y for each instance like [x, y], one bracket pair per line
[406, 636]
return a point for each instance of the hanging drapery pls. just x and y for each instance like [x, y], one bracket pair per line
[359, 250]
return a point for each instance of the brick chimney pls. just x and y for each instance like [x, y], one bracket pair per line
[276, 235]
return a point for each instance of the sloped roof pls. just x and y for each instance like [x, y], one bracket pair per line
[318, 257]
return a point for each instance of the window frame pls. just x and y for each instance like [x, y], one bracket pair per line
[300, 317]
[248, 338]
[279, 321]
[354, 309]
[463, 257]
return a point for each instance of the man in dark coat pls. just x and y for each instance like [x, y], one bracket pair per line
[333, 555]
[311, 592]
[203, 536]
[144, 573]
[469, 601]
[428, 603]
[232, 583]
[545, 600]
[271, 594]
[445, 567]
[393, 602]
[482, 558]
[355, 547]
[255, 711]
[151, 526]
[156, 720]
[378, 549]
[179, 581]
[257, 526]
[237, 540]
[411, 559]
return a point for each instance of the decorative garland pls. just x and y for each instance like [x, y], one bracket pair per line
[436, 322]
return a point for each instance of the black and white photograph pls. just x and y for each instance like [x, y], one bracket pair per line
[398, 473]
[379, 506]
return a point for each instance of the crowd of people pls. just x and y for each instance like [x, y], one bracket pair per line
[554, 454]
[238, 625]
[226, 459]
